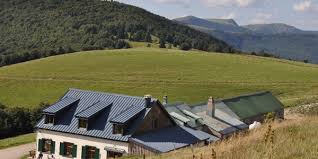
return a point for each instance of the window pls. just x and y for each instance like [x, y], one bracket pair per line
[82, 123]
[111, 154]
[68, 149]
[46, 145]
[118, 129]
[49, 119]
[155, 123]
[90, 152]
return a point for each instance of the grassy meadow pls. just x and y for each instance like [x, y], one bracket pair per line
[183, 76]
[18, 140]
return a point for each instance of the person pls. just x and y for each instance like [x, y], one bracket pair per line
[40, 156]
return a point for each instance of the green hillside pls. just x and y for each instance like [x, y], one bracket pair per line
[36, 28]
[183, 76]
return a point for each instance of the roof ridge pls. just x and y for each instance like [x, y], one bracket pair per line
[106, 93]
[244, 95]
[198, 104]
[174, 104]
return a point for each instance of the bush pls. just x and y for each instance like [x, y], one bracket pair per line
[16, 121]
[185, 46]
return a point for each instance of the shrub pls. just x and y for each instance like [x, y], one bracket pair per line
[185, 46]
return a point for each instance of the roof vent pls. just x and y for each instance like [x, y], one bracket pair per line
[211, 107]
[165, 100]
[147, 101]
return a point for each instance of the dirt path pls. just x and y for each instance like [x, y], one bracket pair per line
[16, 152]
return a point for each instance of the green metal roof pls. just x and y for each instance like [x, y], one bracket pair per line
[254, 104]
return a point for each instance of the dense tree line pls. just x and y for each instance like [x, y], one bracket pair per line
[31, 29]
[16, 121]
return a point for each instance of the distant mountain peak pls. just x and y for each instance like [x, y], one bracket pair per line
[228, 25]
[272, 28]
[224, 21]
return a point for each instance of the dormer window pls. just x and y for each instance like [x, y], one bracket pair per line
[118, 129]
[82, 124]
[49, 119]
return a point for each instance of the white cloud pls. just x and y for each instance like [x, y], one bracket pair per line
[302, 6]
[307, 5]
[184, 3]
[261, 18]
[245, 3]
[229, 16]
[226, 3]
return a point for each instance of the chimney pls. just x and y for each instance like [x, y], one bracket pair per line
[165, 100]
[147, 101]
[211, 107]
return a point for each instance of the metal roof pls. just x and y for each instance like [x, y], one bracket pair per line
[179, 117]
[126, 115]
[169, 139]
[93, 110]
[61, 104]
[188, 113]
[176, 110]
[253, 104]
[223, 123]
[100, 126]
[217, 124]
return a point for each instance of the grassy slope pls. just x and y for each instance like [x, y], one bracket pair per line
[295, 139]
[190, 77]
[15, 141]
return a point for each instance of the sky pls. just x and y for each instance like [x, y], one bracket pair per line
[302, 14]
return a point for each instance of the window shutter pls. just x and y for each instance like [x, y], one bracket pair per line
[74, 150]
[40, 145]
[53, 147]
[83, 152]
[96, 153]
[62, 148]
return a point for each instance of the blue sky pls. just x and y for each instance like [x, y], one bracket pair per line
[300, 13]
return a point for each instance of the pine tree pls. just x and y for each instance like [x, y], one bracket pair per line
[162, 43]
[148, 37]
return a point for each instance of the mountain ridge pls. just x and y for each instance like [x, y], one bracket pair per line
[278, 39]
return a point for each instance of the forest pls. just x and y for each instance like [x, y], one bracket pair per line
[32, 29]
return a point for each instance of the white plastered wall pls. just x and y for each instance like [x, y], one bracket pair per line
[78, 140]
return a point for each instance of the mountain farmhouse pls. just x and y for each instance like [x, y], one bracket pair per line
[92, 125]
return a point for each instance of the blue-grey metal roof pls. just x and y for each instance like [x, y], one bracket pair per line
[100, 126]
[61, 104]
[176, 111]
[222, 122]
[126, 115]
[219, 114]
[93, 110]
[169, 139]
